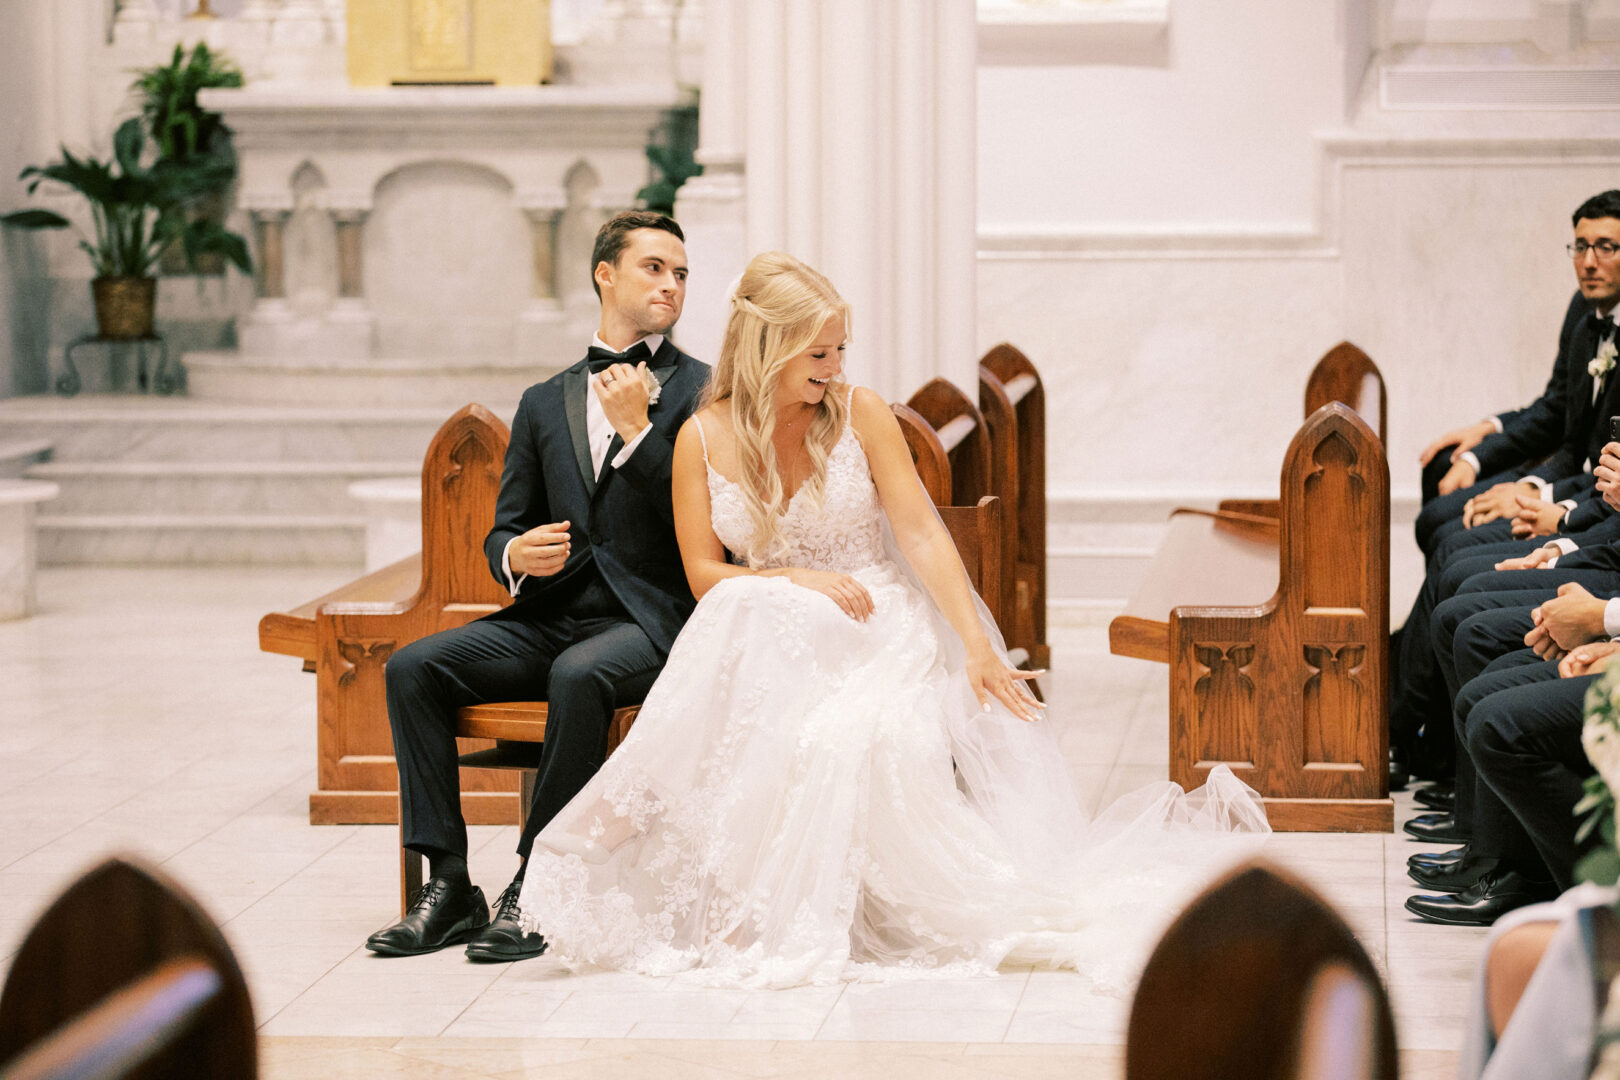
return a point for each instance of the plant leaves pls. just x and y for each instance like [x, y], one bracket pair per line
[1601, 867]
[128, 142]
[35, 219]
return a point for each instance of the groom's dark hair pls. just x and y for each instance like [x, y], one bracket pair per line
[614, 236]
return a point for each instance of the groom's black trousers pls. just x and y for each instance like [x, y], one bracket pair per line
[582, 654]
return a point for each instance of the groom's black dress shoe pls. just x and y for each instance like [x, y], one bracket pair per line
[1483, 902]
[1441, 827]
[1452, 877]
[1436, 798]
[503, 939]
[1433, 860]
[443, 913]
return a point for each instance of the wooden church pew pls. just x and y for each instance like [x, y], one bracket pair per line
[1260, 977]
[1020, 384]
[1344, 374]
[1276, 634]
[347, 636]
[124, 975]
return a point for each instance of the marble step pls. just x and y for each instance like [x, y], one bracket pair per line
[298, 488]
[133, 427]
[200, 539]
[221, 376]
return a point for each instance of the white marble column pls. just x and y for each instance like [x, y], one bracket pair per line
[134, 22]
[350, 324]
[710, 207]
[540, 333]
[856, 120]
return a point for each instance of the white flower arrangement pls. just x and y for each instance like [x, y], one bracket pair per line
[1601, 364]
[654, 387]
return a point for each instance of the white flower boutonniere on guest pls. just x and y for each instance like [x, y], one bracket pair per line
[1601, 364]
[655, 388]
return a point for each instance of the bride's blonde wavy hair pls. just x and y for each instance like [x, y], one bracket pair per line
[777, 310]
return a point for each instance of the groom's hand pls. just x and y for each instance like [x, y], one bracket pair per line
[623, 393]
[541, 551]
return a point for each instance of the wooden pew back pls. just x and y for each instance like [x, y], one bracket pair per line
[1239, 971]
[1021, 385]
[963, 434]
[124, 975]
[1292, 694]
[461, 479]
[1348, 375]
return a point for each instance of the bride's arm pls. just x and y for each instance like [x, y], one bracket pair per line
[931, 552]
[705, 557]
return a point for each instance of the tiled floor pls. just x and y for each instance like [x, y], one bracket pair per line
[138, 715]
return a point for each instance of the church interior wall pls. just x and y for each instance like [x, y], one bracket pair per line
[24, 287]
[1177, 253]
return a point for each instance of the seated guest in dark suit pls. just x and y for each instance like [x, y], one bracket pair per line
[1521, 727]
[1495, 452]
[1590, 397]
[584, 539]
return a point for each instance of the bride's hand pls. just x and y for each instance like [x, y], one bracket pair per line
[845, 591]
[988, 675]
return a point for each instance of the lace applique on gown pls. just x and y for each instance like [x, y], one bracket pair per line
[806, 798]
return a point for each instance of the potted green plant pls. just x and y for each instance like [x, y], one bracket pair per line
[184, 131]
[137, 212]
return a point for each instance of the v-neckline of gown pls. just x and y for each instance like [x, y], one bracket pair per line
[797, 491]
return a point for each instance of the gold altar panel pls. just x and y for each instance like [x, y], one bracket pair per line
[403, 42]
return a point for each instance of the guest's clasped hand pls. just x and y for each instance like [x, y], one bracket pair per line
[541, 551]
[844, 590]
[1587, 660]
[1536, 517]
[1461, 473]
[1533, 561]
[1499, 500]
[1572, 618]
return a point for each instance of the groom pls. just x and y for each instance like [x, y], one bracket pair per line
[584, 539]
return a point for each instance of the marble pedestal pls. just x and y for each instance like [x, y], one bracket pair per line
[393, 512]
[17, 549]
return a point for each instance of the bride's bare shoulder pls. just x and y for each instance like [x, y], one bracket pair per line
[868, 412]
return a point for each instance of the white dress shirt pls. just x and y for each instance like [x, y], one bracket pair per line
[599, 435]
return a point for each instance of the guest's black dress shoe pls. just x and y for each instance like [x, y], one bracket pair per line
[1432, 827]
[1398, 776]
[1452, 877]
[1483, 902]
[1433, 860]
[1436, 798]
[503, 939]
[443, 913]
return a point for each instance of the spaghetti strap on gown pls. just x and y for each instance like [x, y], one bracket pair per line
[806, 798]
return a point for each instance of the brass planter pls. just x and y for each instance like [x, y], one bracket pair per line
[124, 307]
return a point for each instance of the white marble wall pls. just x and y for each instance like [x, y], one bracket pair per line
[23, 62]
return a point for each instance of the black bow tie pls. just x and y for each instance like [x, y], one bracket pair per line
[1602, 325]
[601, 359]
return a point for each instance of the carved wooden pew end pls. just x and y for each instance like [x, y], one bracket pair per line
[1276, 635]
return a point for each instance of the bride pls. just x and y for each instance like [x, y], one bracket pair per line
[838, 775]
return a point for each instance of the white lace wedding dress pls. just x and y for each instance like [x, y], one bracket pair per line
[805, 798]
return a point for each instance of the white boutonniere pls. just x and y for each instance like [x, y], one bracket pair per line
[655, 388]
[1601, 364]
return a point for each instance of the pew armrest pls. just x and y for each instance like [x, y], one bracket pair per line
[292, 633]
[1207, 560]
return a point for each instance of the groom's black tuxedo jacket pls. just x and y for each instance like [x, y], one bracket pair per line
[1538, 429]
[622, 524]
